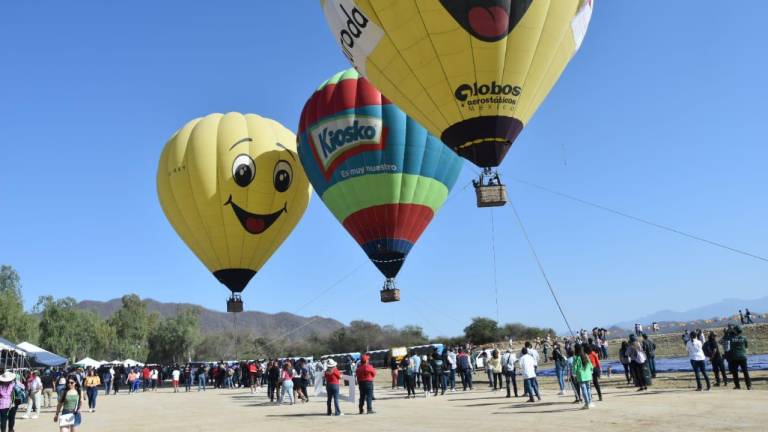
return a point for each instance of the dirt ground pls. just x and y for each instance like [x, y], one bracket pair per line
[671, 405]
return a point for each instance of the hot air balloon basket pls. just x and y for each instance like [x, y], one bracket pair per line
[491, 195]
[390, 295]
[234, 304]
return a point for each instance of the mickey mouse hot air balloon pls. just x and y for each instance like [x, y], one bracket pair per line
[377, 170]
[472, 72]
[233, 189]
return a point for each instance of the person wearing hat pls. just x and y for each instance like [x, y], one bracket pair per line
[7, 404]
[738, 358]
[332, 378]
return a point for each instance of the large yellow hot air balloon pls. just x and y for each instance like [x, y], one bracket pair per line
[232, 187]
[472, 72]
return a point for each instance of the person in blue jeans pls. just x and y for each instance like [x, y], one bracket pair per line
[583, 372]
[464, 366]
[561, 365]
[528, 371]
[332, 379]
[696, 355]
[201, 379]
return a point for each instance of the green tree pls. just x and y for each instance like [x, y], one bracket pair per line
[173, 339]
[132, 324]
[517, 331]
[482, 330]
[72, 332]
[412, 335]
[15, 324]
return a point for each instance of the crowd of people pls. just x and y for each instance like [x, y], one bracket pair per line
[731, 349]
[577, 369]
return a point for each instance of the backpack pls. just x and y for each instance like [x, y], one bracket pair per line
[708, 351]
[437, 366]
[463, 362]
[19, 395]
[411, 368]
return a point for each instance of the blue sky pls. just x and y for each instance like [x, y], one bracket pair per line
[661, 115]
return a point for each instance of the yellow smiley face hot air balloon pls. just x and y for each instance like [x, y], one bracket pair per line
[232, 187]
[472, 72]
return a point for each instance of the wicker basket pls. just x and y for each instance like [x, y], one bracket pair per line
[390, 295]
[234, 305]
[491, 196]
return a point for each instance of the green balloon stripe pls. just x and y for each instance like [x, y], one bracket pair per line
[345, 74]
[344, 198]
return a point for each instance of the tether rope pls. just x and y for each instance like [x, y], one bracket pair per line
[312, 300]
[644, 221]
[541, 267]
[495, 279]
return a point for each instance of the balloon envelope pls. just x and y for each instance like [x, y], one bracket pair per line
[473, 72]
[378, 171]
[233, 189]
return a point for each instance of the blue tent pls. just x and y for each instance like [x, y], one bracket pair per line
[39, 357]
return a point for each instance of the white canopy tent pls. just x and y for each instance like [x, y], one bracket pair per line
[11, 356]
[89, 362]
[130, 362]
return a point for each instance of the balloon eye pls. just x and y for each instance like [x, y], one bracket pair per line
[243, 170]
[283, 176]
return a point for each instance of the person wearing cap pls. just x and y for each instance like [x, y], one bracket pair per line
[7, 404]
[332, 380]
[365, 374]
[739, 345]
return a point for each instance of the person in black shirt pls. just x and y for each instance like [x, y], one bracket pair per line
[650, 350]
[48, 389]
[712, 351]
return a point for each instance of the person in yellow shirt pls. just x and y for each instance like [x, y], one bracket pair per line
[92, 383]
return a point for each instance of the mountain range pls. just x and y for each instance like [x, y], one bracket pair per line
[257, 323]
[723, 308]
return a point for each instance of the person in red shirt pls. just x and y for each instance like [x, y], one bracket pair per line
[595, 360]
[252, 368]
[365, 375]
[145, 378]
[332, 378]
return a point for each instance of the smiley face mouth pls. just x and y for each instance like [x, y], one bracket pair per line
[487, 20]
[254, 223]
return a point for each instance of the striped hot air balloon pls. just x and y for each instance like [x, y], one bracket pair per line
[377, 170]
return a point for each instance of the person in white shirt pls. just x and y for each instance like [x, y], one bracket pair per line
[452, 370]
[34, 391]
[528, 370]
[533, 352]
[697, 357]
[111, 379]
[175, 375]
[153, 376]
[508, 360]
